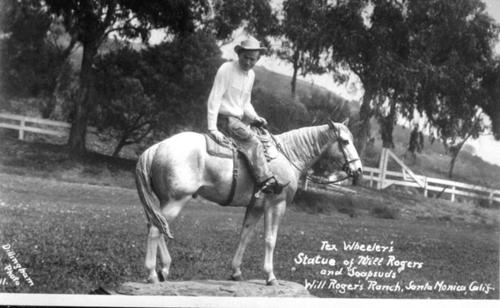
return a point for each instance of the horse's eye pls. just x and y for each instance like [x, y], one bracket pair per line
[344, 142]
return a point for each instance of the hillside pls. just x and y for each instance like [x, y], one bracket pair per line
[279, 85]
[432, 162]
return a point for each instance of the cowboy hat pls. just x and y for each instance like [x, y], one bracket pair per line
[251, 44]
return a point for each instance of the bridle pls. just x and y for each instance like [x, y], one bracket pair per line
[344, 167]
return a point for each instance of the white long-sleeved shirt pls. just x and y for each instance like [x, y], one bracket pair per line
[231, 94]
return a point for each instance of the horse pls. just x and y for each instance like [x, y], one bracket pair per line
[178, 169]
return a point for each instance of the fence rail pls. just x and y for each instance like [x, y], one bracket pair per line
[30, 124]
[378, 177]
[452, 188]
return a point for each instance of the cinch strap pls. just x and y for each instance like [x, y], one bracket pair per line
[235, 178]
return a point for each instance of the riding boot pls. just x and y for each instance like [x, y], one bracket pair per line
[253, 150]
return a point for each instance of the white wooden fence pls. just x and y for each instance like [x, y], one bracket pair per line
[382, 178]
[35, 125]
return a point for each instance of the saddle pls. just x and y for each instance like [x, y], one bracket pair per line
[230, 150]
[226, 150]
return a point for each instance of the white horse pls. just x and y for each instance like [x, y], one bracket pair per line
[179, 168]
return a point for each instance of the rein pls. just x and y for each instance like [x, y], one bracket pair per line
[311, 178]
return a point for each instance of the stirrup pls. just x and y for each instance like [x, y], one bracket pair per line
[270, 186]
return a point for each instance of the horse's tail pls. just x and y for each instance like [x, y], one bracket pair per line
[144, 188]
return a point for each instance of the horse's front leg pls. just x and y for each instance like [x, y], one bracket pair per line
[272, 218]
[252, 216]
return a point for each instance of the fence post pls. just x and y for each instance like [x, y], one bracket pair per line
[452, 194]
[21, 130]
[425, 186]
[490, 199]
[382, 168]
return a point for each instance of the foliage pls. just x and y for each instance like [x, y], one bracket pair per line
[326, 107]
[372, 47]
[182, 76]
[125, 111]
[282, 113]
[28, 60]
[156, 90]
[430, 56]
[491, 98]
[255, 16]
[451, 62]
[302, 39]
[89, 22]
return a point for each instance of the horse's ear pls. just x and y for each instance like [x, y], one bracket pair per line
[331, 124]
[346, 121]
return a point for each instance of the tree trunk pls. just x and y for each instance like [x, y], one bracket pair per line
[50, 106]
[61, 67]
[295, 71]
[365, 114]
[387, 127]
[455, 156]
[123, 142]
[77, 137]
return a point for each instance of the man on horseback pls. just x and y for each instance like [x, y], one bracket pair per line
[230, 111]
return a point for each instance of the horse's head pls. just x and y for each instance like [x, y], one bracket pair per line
[344, 152]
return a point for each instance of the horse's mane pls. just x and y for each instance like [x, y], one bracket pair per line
[304, 144]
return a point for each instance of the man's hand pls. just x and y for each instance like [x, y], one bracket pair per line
[218, 136]
[260, 122]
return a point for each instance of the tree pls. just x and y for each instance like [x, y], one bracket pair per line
[28, 58]
[89, 22]
[324, 107]
[428, 56]
[375, 48]
[301, 31]
[491, 100]
[451, 49]
[124, 111]
[455, 134]
[282, 113]
[158, 89]
[184, 70]
[255, 16]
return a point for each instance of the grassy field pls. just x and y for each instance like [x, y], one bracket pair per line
[77, 225]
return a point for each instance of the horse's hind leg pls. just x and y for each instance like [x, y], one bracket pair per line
[252, 216]
[152, 244]
[156, 240]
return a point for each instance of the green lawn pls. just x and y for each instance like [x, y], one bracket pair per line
[74, 237]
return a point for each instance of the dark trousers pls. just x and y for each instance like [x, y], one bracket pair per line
[248, 144]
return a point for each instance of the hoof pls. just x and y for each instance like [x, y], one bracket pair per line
[273, 282]
[236, 277]
[153, 280]
[162, 276]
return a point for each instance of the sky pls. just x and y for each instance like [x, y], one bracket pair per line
[493, 9]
